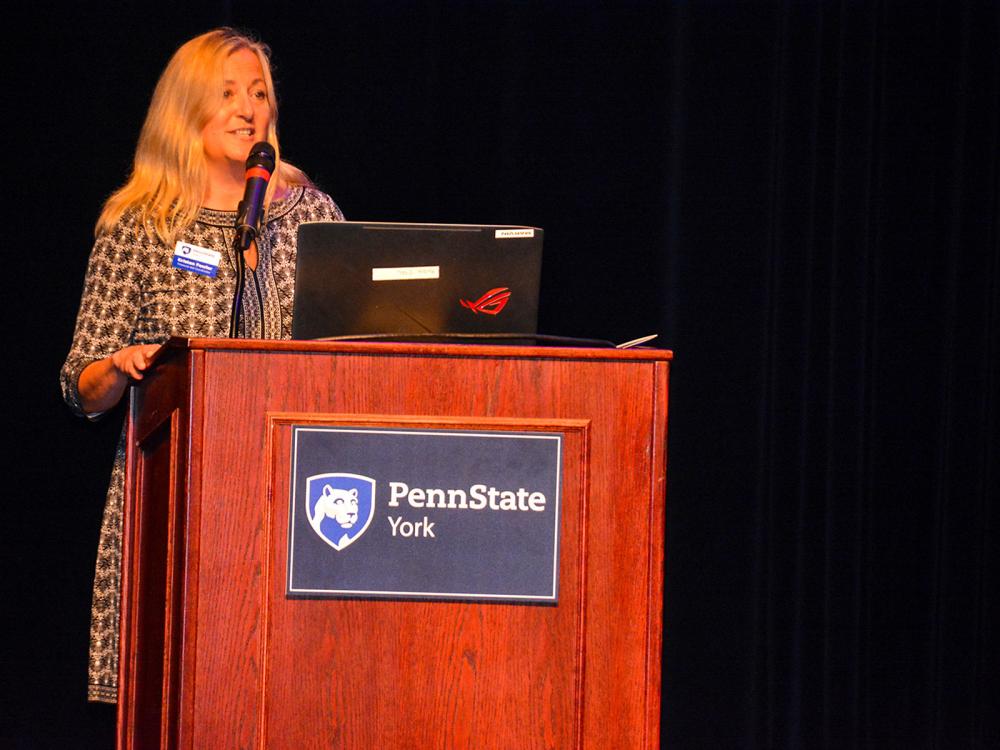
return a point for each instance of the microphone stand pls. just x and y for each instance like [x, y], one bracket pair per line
[259, 166]
[241, 272]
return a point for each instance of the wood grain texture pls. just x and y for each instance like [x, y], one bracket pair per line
[260, 670]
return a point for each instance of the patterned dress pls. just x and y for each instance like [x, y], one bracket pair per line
[132, 295]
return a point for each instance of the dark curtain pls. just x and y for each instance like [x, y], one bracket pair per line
[832, 532]
[802, 198]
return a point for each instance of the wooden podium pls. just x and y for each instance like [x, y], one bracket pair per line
[215, 655]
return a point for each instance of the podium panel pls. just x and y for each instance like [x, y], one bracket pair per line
[215, 653]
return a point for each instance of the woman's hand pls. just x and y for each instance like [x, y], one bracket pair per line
[133, 360]
[102, 383]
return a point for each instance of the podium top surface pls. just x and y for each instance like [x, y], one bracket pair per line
[428, 350]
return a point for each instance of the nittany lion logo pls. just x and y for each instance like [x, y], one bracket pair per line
[340, 507]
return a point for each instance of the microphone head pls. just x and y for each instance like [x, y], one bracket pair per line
[261, 155]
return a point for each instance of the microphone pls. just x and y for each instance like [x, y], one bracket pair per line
[260, 165]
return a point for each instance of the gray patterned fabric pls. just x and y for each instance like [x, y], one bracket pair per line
[132, 295]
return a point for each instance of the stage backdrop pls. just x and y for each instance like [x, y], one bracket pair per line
[800, 198]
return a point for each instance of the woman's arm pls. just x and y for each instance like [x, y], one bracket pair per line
[103, 355]
[103, 382]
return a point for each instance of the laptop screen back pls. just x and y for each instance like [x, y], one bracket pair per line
[363, 278]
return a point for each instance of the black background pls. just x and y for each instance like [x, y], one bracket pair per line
[801, 198]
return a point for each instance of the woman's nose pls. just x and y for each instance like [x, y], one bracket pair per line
[244, 107]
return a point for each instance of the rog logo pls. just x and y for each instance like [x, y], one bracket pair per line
[490, 303]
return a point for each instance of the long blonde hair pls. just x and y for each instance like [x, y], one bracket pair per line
[169, 173]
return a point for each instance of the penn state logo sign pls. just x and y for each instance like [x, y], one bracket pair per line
[340, 507]
[438, 513]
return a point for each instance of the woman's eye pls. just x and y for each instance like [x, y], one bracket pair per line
[227, 94]
[260, 95]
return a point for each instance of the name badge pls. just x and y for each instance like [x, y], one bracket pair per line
[200, 260]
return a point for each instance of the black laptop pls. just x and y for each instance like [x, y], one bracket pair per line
[415, 281]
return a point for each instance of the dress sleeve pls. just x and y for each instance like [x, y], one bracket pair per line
[109, 307]
[327, 209]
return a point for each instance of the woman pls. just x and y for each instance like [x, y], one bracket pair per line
[213, 102]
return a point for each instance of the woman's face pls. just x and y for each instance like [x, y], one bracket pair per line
[243, 116]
